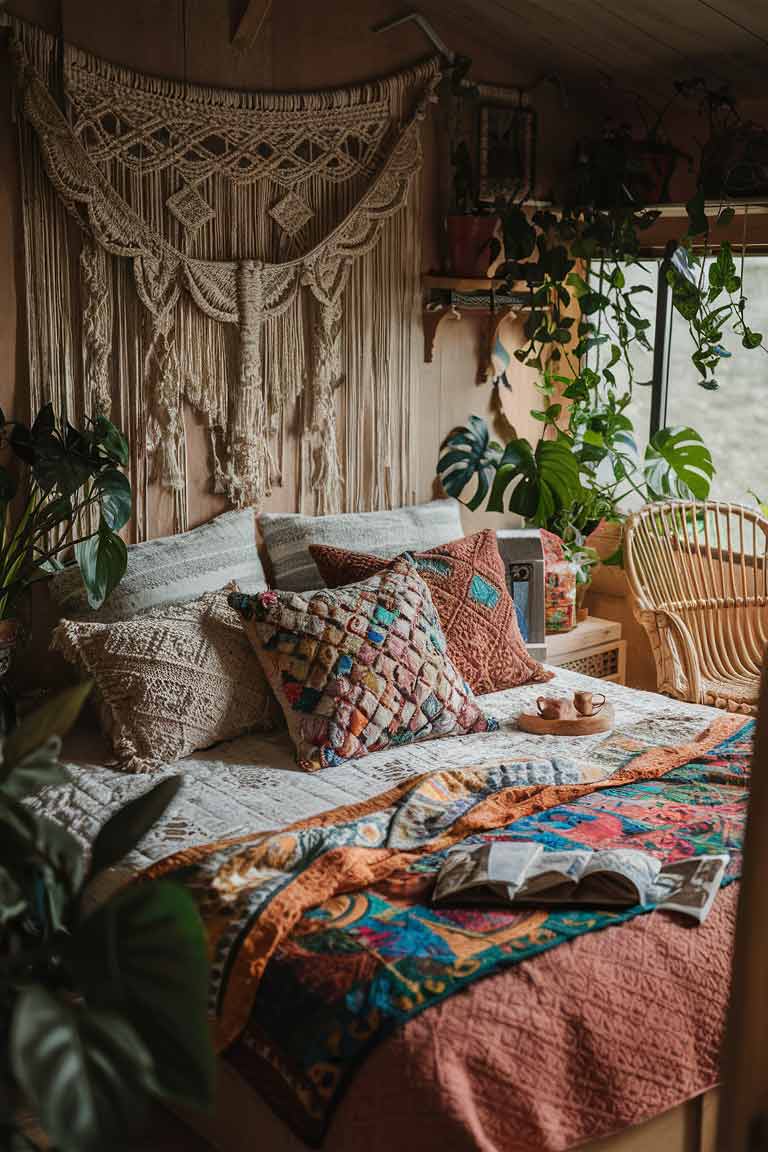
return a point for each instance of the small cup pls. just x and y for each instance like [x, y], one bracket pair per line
[587, 704]
[556, 708]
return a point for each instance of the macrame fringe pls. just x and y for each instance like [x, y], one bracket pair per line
[186, 319]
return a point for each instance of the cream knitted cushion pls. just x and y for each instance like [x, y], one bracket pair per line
[171, 681]
[171, 570]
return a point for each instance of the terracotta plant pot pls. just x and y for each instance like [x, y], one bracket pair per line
[652, 172]
[606, 538]
[469, 244]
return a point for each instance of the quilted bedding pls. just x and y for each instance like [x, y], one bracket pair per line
[466, 1071]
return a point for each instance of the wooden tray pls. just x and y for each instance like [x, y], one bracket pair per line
[602, 721]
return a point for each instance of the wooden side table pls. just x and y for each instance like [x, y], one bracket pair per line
[594, 648]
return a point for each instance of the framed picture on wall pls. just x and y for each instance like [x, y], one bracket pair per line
[507, 144]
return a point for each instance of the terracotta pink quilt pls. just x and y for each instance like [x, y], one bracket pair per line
[584, 1032]
[583, 1041]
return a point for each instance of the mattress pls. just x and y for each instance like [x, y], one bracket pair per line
[533, 1036]
[253, 784]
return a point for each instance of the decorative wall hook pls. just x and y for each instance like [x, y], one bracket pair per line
[416, 17]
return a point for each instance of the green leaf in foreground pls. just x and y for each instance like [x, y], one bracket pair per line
[123, 831]
[54, 718]
[86, 1074]
[144, 954]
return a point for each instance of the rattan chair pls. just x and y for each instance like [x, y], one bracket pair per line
[699, 576]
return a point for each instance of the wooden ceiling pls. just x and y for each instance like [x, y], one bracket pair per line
[640, 45]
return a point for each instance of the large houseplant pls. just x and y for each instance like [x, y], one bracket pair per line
[574, 477]
[74, 496]
[584, 322]
[102, 1004]
[62, 491]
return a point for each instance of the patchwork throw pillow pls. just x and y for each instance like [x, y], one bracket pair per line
[171, 681]
[469, 591]
[287, 537]
[359, 668]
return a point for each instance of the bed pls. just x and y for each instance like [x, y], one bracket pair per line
[611, 1033]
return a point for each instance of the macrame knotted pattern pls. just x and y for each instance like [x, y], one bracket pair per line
[245, 252]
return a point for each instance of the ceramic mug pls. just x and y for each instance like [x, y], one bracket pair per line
[587, 704]
[556, 708]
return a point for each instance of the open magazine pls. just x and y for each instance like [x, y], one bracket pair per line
[506, 872]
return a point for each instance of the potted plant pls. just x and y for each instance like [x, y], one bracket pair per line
[470, 228]
[734, 153]
[102, 1004]
[71, 496]
[620, 168]
[568, 483]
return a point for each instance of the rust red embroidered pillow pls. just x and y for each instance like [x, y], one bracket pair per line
[359, 668]
[469, 591]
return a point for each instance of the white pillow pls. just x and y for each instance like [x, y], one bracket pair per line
[287, 537]
[172, 570]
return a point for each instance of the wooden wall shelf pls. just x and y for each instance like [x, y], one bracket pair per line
[446, 297]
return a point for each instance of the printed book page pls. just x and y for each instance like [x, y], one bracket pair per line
[525, 873]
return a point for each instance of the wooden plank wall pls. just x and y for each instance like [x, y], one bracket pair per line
[301, 44]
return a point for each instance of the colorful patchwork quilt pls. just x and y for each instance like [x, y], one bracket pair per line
[323, 938]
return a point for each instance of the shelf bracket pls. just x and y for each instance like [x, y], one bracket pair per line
[431, 320]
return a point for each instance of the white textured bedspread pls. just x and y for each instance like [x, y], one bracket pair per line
[253, 783]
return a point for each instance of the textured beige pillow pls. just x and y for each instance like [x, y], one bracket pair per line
[171, 681]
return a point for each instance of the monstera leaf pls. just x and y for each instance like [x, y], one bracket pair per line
[546, 480]
[678, 464]
[469, 454]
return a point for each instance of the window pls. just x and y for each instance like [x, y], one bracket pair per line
[732, 421]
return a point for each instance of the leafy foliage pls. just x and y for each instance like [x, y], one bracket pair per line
[470, 455]
[568, 484]
[583, 320]
[103, 1010]
[678, 465]
[709, 308]
[69, 473]
[547, 479]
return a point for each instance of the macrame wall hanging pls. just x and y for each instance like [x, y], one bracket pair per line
[245, 252]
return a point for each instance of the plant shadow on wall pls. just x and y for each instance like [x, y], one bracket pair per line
[583, 324]
[103, 1004]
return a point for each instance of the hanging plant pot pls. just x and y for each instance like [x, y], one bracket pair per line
[651, 170]
[469, 244]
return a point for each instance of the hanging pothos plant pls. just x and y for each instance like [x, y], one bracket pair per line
[583, 323]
